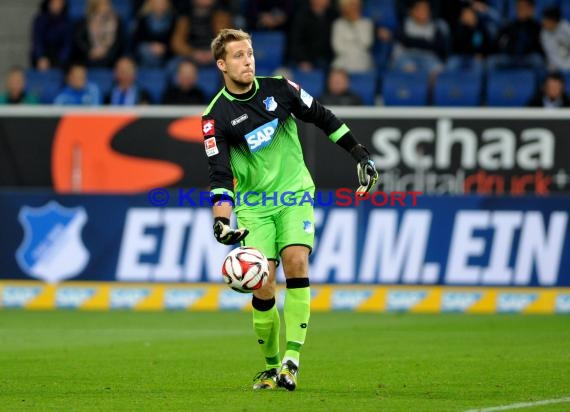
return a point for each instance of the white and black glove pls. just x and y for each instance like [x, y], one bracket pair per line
[365, 169]
[225, 234]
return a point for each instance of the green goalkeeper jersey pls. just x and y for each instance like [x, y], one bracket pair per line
[252, 140]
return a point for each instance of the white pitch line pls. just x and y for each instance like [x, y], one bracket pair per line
[521, 405]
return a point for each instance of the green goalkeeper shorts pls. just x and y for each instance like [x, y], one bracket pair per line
[289, 225]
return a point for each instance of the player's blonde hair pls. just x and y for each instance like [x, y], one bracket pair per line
[224, 37]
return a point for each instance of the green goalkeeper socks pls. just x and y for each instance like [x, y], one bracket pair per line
[266, 324]
[297, 311]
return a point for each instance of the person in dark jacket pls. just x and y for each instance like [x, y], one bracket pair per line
[184, 91]
[472, 41]
[98, 39]
[51, 35]
[338, 91]
[552, 93]
[154, 28]
[422, 43]
[16, 89]
[310, 40]
[518, 43]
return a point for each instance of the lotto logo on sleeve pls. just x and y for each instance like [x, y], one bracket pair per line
[208, 127]
[211, 147]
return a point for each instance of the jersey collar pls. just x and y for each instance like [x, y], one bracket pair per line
[244, 96]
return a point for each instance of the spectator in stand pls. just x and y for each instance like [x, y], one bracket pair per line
[270, 14]
[551, 95]
[184, 91]
[126, 92]
[555, 39]
[488, 15]
[77, 90]
[196, 28]
[422, 43]
[352, 38]
[310, 44]
[338, 91]
[472, 42]
[518, 43]
[98, 40]
[154, 28]
[51, 37]
[16, 89]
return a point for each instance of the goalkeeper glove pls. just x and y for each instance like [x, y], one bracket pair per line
[367, 175]
[365, 169]
[225, 234]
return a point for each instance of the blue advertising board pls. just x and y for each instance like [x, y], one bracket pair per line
[454, 241]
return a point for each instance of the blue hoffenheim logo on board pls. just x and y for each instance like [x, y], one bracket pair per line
[52, 249]
[259, 138]
[270, 104]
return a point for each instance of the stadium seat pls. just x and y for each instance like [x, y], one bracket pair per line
[154, 81]
[565, 6]
[44, 84]
[103, 78]
[405, 89]
[498, 5]
[539, 6]
[510, 88]
[209, 81]
[383, 12]
[458, 88]
[77, 9]
[124, 9]
[567, 82]
[313, 81]
[269, 50]
[364, 84]
[382, 52]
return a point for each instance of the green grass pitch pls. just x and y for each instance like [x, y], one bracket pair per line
[186, 361]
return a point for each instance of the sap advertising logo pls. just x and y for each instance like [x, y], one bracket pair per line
[128, 297]
[18, 297]
[459, 301]
[349, 299]
[515, 302]
[52, 249]
[403, 300]
[563, 303]
[261, 137]
[181, 298]
[73, 297]
[231, 300]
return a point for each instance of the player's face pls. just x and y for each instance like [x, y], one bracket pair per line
[239, 64]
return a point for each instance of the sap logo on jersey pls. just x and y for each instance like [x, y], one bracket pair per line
[261, 137]
[52, 249]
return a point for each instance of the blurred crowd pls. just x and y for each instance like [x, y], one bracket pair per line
[346, 52]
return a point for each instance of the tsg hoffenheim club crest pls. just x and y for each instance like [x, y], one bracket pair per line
[52, 249]
[270, 104]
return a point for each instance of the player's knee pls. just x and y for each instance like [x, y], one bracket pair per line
[267, 291]
[295, 265]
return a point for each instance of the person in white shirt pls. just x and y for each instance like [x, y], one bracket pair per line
[555, 39]
[352, 38]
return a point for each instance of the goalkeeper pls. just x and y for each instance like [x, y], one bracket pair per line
[251, 137]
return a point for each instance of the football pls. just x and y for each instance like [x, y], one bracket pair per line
[245, 269]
